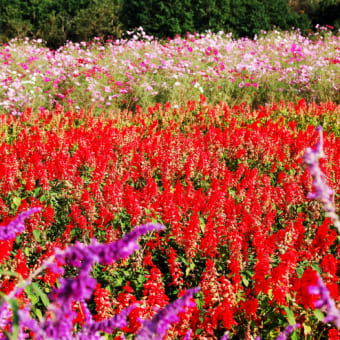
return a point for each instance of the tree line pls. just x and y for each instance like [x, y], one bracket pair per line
[56, 21]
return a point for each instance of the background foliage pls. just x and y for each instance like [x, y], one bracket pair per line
[58, 21]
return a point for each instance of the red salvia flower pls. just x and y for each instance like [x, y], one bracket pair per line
[175, 270]
[309, 278]
[102, 299]
[333, 334]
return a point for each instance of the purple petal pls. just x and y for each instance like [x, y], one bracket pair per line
[157, 327]
[17, 226]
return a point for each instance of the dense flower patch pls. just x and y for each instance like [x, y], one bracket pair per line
[145, 71]
[228, 184]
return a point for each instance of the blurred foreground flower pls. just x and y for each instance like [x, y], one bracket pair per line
[156, 328]
[77, 289]
[322, 192]
[17, 226]
[287, 331]
[325, 303]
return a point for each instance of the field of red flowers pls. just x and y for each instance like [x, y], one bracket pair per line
[228, 183]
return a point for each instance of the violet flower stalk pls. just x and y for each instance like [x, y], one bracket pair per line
[5, 318]
[325, 303]
[124, 247]
[288, 331]
[17, 226]
[155, 328]
[105, 254]
[187, 335]
[118, 321]
[322, 192]
[225, 336]
[79, 288]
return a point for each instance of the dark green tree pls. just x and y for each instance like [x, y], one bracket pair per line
[242, 17]
[100, 18]
[159, 18]
[248, 17]
[56, 21]
[13, 19]
[212, 15]
[328, 13]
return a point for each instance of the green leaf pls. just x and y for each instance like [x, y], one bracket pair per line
[141, 279]
[154, 221]
[118, 281]
[307, 329]
[245, 281]
[295, 335]
[316, 267]
[202, 224]
[187, 271]
[41, 294]
[198, 331]
[38, 313]
[30, 294]
[36, 234]
[15, 325]
[37, 191]
[42, 199]
[27, 251]
[290, 315]
[299, 272]
[318, 314]
[17, 201]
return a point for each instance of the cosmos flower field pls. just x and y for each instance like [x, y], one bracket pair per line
[196, 149]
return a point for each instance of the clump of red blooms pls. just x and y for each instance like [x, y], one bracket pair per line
[228, 183]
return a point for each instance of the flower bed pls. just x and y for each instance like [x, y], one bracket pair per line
[142, 70]
[230, 187]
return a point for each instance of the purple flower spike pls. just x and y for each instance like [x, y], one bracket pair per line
[27, 322]
[325, 302]
[322, 192]
[157, 327]
[17, 226]
[107, 326]
[74, 289]
[225, 336]
[5, 316]
[187, 335]
[288, 331]
[107, 253]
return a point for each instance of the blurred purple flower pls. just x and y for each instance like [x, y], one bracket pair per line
[107, 253]
[157, 327]
[107, 326]
[288, 331]
[80, 288]
[325, 303]
[74, 289]
[5, 317]
[322, 192]
[17, 226]
[225, 336]
[83, 257]
[187, 335]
